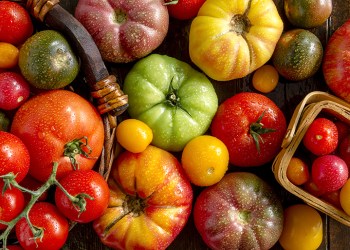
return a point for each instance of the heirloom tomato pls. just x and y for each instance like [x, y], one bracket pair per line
[184, 9]
[336, 62]
[14, 156]
[176, 101]
[241, 211]
[85, 185]
[252, 127]
[230, 39]
[54, 227]
[303, 229]
[59, 126]
[150, 202]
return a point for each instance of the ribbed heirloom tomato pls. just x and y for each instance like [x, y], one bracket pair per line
[59, 126]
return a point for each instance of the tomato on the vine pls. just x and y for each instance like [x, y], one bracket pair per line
[14, 156]
[54, 228]
[184, 9]
[83, 184]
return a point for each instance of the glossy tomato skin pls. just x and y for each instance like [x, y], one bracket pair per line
[321, 137]
[88, 182]
[11, 204]
[151, 200]
[232, 123]
[50, 120]
[14, 90]
[240, 212]
[184, 9]
[46, 216]
[124, 30]
[15, 23]
[236, 42]
[335, 67]
[14, 156]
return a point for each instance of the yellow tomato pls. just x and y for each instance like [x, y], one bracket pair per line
[9, 55]
[265, 78]
[134, 135]
[303, 229]
[297, 171]
[345, 197]
[205, 160]
[230, 39]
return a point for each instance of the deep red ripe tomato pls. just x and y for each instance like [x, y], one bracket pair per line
[14, 247]
[14, 90]
[344, 149]
[184, 9]
[14, 156]
[329, 173]
[321, 137]
[32, 184]
[343, 130]
[55, 126]
[252, 127]
[15, 23]
[11, 204]
[46, 216]
[88, 182]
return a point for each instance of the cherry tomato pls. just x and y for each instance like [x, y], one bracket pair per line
[205, 160]
[134, 135]
[9, 55]
[333, 198]
[15, 23]
[11, 204]
[343, 129]
[14, 156]
[55, 228]
[32, 184]
[321, 137]
[59, 126]
[265, 78]
[297, 171]
[184, 9]
[344, 197]
[303, 229]
[88, 182]
[14, 90]
[344, 149]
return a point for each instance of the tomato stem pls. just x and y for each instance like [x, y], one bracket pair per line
[76, 147]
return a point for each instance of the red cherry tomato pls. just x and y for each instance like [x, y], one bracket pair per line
[46, 216]
[321, 138]
[14, 156]
[78, 182]
[11, 204]
[32, 184]
[15, 23]
[184, 9]
[14, 90]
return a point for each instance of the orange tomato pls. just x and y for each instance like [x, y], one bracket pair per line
[265, 78]
[9, 55]
[297, 171]
[205, 160]
[344, 197]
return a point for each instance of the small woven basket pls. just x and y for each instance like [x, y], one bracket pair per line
[305, 113]
[105, 92]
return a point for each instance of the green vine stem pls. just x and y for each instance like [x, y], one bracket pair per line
[78, 201]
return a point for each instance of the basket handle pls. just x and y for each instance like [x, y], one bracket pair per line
[312, 97]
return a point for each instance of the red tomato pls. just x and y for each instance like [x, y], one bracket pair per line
[76, 183]
[343, 129]
[344, 150]
[14, 247]
[55, 228]
[15, 23]
[32, 184]
[11, 204]
[14, 90]
[321, 137]
[251, 126]
[59, 126]
[184, 9]
[14, 156]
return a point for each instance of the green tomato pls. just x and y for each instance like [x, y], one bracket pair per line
[176, 101]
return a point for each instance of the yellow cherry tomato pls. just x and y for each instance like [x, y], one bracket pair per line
[205, 160]
[297, 171]
[9, 55]
[303, 229]
[345, 197]
[265, 78]
[134, 135]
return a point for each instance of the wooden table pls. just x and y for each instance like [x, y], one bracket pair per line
[287, 95]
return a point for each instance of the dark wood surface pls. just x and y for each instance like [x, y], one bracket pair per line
[287, 95]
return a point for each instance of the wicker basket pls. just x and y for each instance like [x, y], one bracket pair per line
[307, 110]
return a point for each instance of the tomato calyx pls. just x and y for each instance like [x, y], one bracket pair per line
[76, 147]
[120, 16]
[172, 98]
[256, 129]
[240, 23]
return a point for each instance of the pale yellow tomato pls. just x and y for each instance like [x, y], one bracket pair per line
[265, 78]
